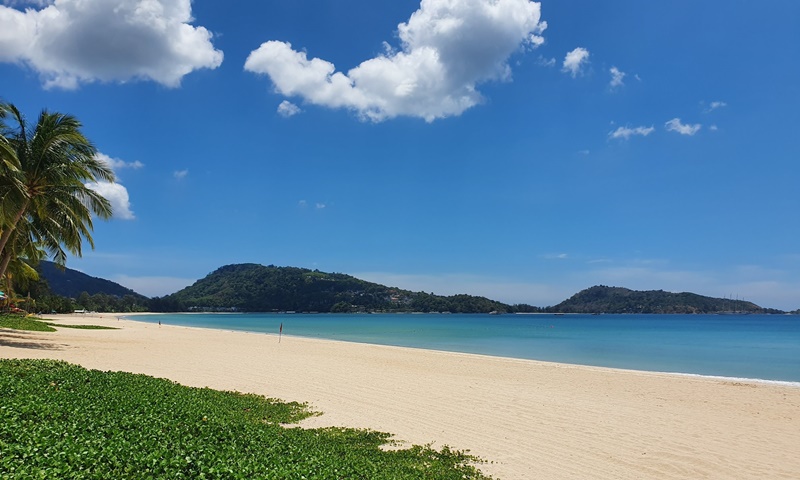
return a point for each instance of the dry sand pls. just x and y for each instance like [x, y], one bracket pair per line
[530, 419]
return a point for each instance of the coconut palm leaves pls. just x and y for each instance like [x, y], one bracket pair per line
[9, 164]
[44, 200]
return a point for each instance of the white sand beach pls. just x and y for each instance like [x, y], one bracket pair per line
[529, 419]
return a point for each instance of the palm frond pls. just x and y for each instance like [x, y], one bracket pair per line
[44, 173]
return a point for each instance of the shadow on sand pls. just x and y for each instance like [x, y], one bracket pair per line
[17, 339]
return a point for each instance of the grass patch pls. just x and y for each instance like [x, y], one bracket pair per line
[81, 327]
[59, 420]
[18, 322]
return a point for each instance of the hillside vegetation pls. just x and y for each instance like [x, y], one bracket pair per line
[71, 283]
[64, 290]
[602, 299]
[256, 288]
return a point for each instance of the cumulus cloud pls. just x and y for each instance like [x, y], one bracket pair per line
[115, 192]
[70, 42]
[447, 48]
[675, 125]
[627, 132]
[117, 195]
[180, 174]
[616, 77]
[288, 109]
[575, 61]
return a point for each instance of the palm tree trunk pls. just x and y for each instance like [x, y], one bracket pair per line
[10, 230]
[6, 256]
[4, 261]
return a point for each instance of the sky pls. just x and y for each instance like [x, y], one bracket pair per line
[512, 149]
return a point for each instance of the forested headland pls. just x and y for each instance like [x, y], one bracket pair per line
[257, 288]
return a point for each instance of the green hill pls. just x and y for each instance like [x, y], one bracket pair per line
[602, 299]
[256, 288]
[71, 283]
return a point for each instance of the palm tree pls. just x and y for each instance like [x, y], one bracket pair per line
[44, 199]
[9, 164]
[20, 273]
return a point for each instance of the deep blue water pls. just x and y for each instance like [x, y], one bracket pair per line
[763, 347]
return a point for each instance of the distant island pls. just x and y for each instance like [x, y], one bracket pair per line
[251, 287]
[602, 299]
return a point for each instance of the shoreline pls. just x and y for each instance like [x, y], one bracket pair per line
[787, 383]
[531, 419]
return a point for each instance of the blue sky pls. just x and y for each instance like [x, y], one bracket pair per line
[517, 150]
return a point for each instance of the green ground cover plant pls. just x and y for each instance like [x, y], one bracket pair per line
[59, 420]
[18, 322]
[81, 327]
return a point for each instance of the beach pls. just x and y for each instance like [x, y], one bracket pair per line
[528, 419]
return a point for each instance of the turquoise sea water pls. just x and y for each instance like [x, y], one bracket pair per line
[765, 347]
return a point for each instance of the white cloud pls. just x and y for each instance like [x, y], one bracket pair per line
[713, 128]
[546, 62]
[627, 132]
[715, 105]
[317, 205]
[70, 42]
[616, 77]
[117, 164]
[575, 61]
[675, 125]
[448, 47]
[180, 174]
[288, 109]
[117, 195]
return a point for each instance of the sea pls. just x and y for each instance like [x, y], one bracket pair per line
[759, 347]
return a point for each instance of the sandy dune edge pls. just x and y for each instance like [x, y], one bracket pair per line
[531, 419]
